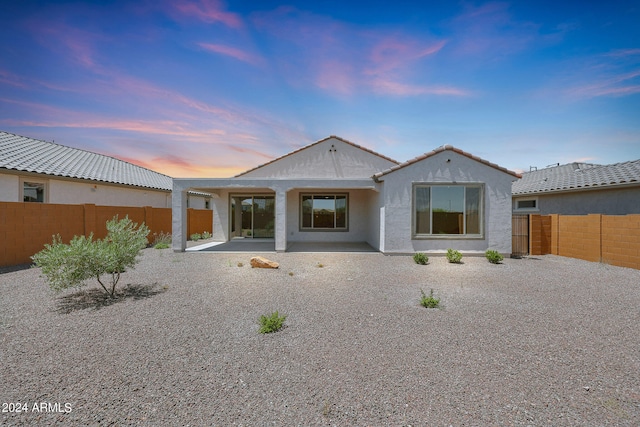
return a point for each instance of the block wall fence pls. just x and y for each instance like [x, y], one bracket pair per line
[611, 239]
[26, 227]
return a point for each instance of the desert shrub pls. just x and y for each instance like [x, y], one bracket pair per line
[271, 323]
[494, 257]
[161, 240]
[420, 258]
[69, 265]
[454, 256]
[195, 237]
[429, 301]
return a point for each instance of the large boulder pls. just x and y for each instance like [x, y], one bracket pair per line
[260, 262]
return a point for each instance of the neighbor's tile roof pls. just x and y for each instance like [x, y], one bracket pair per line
[31, 155]
[439, 150]
[577, 176]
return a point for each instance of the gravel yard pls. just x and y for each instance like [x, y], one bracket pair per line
[538, 341]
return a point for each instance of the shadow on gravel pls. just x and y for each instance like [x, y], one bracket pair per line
[97, 298]
[12, 268]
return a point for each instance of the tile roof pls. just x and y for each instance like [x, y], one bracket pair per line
[577, 176]
[439, 150]
[316, 143]
[31, 155]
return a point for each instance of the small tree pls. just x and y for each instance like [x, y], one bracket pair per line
[67, 266]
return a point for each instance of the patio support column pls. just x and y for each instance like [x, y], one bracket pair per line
[178, 218]
[221, 224]
[281, 220]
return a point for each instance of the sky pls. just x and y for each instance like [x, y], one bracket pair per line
[211, 88]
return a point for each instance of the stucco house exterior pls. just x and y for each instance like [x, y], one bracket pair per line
[579, 189]
[32, 170]
[336, 191]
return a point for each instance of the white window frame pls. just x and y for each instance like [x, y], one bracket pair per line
[462, 236]
[315, 229]
[527, 199]
[44, 183]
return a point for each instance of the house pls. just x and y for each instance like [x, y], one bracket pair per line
[579, 189]
[38, 171]
[336, 191]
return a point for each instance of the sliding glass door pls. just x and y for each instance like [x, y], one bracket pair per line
[252, 216]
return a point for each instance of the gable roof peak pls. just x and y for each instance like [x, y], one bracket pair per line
[446, 147]
[314, 144]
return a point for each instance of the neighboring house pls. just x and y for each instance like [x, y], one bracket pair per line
[336, 191]
[579, 189]
[38, 171]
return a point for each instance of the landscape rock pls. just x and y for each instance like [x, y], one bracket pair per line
[260, 262]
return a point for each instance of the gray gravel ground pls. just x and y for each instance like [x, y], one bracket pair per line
[550, 341]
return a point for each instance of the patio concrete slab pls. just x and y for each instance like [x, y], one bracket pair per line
[268, 245]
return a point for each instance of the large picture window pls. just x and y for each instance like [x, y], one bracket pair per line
[446, 210]
[323, 212]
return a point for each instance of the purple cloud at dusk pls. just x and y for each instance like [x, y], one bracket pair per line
[211, 88]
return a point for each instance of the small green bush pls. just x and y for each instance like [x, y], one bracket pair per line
[494, 257]
[429, 301]
[161, 240]
[195, 237]
[454, 256]
[271, 323]
[420, 258]
[66, 266]
[206, 235]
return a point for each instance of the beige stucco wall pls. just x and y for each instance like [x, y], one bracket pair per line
[9, 188]
[447, 167]
[70, 191]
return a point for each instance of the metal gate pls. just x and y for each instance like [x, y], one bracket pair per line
[519, 236]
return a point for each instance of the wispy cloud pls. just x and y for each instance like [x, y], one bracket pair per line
[71, 43]
[387, 87]
[11, 79]
[490, 31]
[232, 52]
[612, 74]
[209, 11]
[344, 59]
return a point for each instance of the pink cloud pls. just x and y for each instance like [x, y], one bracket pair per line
[209, 11]
[335, 76]
[344, 59]
[233, 52]
[489, 31]
[387, 87]
[11, 79]
[616, 85]
[75, 44]
[391, 53]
